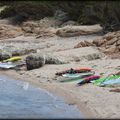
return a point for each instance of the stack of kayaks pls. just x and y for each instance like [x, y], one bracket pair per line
[75, 77]
[10, 63]
[86, 75]
[79, 75]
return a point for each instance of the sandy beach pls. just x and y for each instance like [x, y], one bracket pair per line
[93, 101]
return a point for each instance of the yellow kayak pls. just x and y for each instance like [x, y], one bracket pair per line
[13, 59]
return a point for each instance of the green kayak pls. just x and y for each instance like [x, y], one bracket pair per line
[75, 77]
[101, 80]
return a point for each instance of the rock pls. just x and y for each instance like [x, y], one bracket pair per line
[110, 50]
[93, 56]
[84, 44]
[70, 22]
[112, 41]
[108, 44]
[118, 43]
[108, 37]
[9, 31]
[99, 42]
[118, 47]
[23, 52]
[78, 45]
[89, 43]
[70, 31]
[52, 60]
[4, 56]
[38, 60]
[49, 22]
[27, 29]
[40, 28]
[34, 61]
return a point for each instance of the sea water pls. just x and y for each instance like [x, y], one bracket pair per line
[21, 100]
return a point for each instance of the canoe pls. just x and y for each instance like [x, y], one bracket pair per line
[75, 77]
[77, 70]
[88, 79]
[101, 80]
[7, 65]
[71, 75]
[13, 59]
[111, 82]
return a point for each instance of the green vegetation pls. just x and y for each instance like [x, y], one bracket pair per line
[103, 12]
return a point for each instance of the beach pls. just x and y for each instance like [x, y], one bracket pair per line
[93, 101]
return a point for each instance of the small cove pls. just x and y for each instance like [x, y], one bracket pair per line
[21, 100]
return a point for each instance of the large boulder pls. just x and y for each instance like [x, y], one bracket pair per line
[52, 60]
[37, 60]
[34, 61]
[70, 31]
[41, 28]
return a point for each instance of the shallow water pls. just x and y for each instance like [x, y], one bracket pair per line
[21, 100]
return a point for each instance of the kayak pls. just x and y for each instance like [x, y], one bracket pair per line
[71, 75]
[88, 79]
[101, 80]
[13, 59]
[7, 65]
[75, 80]
[111, 82]
[77, 74]
[75, 77]
[77, 70]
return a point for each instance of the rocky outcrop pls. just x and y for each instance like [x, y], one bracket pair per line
[70, 22]
[34, 61]
[41, 28]
[109, 43]
[70, 31]
[84, 44]
[4, 56]
[23, 52]
[9, 31]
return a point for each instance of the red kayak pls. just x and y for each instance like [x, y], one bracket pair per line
[73, 71]
[88, 79]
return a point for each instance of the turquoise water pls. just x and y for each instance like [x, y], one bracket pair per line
[21, 100]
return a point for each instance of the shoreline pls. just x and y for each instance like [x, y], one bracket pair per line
[93, 101]
[55, 89]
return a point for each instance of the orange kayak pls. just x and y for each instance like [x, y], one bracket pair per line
[73, 71]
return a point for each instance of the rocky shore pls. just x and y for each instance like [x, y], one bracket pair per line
[51, 54]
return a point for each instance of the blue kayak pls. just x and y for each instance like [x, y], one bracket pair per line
[111, 82]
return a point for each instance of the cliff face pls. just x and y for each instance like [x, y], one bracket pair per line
[104, 12]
